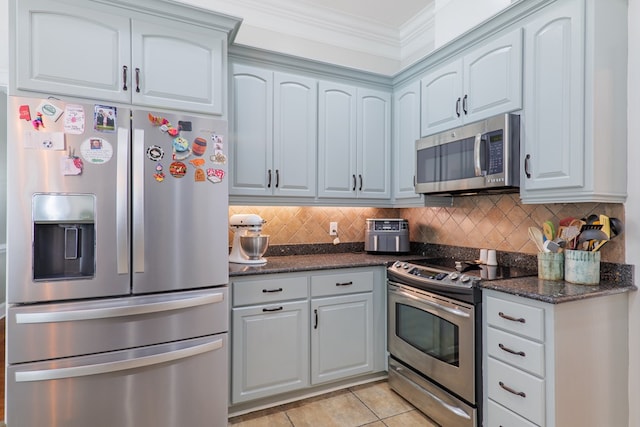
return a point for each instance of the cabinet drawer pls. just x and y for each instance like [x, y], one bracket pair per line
[514, 317]
[342, 283]
[521, 392]
[517, 351]
[499, 416]
[260, 291]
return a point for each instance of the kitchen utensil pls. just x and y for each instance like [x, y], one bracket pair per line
[617, 226]
[590, 235]
[535, 235]
[492, 257]
[551, 246]
[548, 230]
[591, 219]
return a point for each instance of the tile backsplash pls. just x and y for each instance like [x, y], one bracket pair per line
[489, 221]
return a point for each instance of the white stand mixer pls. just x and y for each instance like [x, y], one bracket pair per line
[242, 224]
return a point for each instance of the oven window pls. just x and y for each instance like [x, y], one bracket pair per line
[428, 333]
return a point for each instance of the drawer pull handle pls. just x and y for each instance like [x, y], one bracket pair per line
[315, 325]
[513, 319]
[510, 390]
[344, 284]
[267, 291]
[268, 310]
[508, 350]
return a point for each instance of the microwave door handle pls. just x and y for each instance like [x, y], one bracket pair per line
[476, 155]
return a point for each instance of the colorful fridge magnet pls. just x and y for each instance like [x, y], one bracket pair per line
[164, 124]
[104, 118]
[25, 113]
[215, 175]
[37, 122]
[199, 175]
[159, 173]
[199, 146]
[177, 169]
[71, 164]
[180, 144]
[96, 150]
[74, 119]
[49, 110]
[184, 125]
[155, 153]
[219, 158]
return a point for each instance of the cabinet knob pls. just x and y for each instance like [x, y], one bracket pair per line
[527, 160]
[458, 107]
[269, 178]
[464, 104]
[138, 80]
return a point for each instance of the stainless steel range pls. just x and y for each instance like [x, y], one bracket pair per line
[435, 342]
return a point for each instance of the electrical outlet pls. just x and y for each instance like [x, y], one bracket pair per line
[333, 228]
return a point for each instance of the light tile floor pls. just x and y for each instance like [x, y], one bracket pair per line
[372, 405]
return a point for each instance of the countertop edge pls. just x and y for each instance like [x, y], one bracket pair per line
[530, 287]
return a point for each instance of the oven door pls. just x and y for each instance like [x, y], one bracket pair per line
[435, 336]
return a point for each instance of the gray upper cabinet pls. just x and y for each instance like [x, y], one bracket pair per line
[575, 104]
[354, 141]
[274, 126]
[92, 50]
[482, 83]
[406, 130]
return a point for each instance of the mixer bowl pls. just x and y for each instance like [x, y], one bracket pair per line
[254, 246]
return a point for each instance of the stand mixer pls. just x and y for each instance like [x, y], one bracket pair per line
[246, 237]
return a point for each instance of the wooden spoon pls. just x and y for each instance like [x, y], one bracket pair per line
[535, 235]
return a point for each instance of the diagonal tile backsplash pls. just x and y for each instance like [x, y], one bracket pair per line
[489, 221]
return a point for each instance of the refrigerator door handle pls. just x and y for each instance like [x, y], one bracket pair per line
[123, 311]
[104, 368]
[122, 225]
[138, 200]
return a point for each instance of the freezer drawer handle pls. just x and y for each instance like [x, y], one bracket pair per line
[110, 312]
[105, 368]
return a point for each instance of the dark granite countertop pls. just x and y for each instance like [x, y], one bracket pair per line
[554, 292]
[616, 278]
[294, 263]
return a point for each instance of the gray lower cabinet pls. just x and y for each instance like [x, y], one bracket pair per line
[270, 339]
[342, 328]
[291, 332]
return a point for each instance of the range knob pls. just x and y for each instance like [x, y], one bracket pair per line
[453, 276]
[464, 279]
[405, 265]
[397, 264]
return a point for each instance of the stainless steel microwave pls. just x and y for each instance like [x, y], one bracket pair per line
[478, 157]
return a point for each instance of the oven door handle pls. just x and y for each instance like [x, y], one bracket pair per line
[449, 310]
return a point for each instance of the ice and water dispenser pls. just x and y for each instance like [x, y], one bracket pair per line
[64, 237]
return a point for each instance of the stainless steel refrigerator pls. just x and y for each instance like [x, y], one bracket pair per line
[117, 270]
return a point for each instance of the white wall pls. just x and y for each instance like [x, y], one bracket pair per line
[454, 17]
[632, 209]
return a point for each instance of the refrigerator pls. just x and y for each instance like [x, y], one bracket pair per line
[117, 266]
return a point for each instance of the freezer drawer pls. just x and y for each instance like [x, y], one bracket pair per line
[50, 331]
[176, 384]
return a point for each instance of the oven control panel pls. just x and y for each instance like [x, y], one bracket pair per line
[431, 275]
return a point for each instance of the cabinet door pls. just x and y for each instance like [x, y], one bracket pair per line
[441, 99]
[406, 130]
[337, 140]
[341, 337]
[374, 144]
[493, 78]
[554, 100]
[178, 67]
[70, 50]
[252, 130]
[270, 350]
[294, 135]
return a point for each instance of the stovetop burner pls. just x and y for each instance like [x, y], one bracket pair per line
[450, 277]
